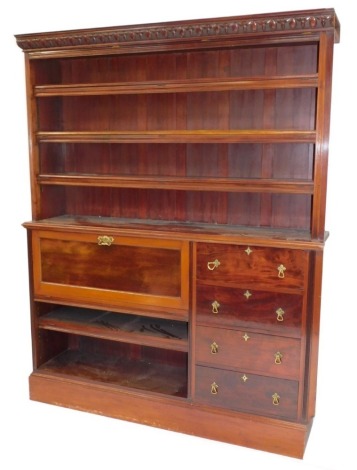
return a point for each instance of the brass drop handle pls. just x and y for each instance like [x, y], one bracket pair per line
[211, 265]
[278, 358]
[281, 271]
[104, 240]
[276, 399]
[214, 388]
[214, 348]
[280, 314]
[215, 306]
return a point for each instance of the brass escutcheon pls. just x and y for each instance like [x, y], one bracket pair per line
[214, 348]
[215, 306]
[211, 265]
[104, 240]
[214, 388]
[278, 357]
[248, 250]
[280, 314]
[276, 399]
[247, 294]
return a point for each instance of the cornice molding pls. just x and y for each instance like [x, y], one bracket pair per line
[302, 21]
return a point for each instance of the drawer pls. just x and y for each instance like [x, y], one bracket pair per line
[241, 391]
[238, 264]
[111, 270]
[249, 308]
[269, 355]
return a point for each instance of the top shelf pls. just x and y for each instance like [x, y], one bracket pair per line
[177, 86]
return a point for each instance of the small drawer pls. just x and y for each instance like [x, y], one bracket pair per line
[269, 355]
[249, 308]
[241, 391]
[238, 264]
[111, 270]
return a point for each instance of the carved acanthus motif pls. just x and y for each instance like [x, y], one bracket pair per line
[181, 31]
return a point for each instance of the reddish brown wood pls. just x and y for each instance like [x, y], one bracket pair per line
[201, 148]
[243, 307]
[257, 353]
[276, 269]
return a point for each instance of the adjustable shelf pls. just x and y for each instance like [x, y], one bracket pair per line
[178, 136]
[159, 333]
[182, 183]
[177, 86]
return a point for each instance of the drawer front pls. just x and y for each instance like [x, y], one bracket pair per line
[238, 264]
[270, 355]
[249, 308]
[241, 391]
[107, 269]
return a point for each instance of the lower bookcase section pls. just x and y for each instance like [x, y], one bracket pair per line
[170, 412]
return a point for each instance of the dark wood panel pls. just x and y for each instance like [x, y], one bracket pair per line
[237, 61]
[153, 271]
[100, 269]
[289, 161]
[209, 111]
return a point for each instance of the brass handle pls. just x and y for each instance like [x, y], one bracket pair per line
[214, 388]
[276, 399]
[281, 271]
[280, 314]
[214, 348]
[211, 265]
[215, 306]
[278, 357]
[104, 240]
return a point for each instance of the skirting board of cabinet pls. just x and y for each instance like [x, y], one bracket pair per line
[174, 414]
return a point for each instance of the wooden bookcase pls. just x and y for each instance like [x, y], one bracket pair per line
[178, 179]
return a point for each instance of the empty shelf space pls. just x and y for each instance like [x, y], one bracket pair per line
[128, 328]
[118, 370]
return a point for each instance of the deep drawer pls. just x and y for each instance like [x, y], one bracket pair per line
[249, 308]
[239, 264]
[247, 392]
[111, 270]
[270, 355]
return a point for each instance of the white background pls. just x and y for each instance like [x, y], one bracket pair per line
[40, 436]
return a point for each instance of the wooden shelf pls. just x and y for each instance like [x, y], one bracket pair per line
[134, 329]
[177, 86]
[182, 183]
[174, 136]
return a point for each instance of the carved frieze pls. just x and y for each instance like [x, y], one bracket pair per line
[311, 21]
